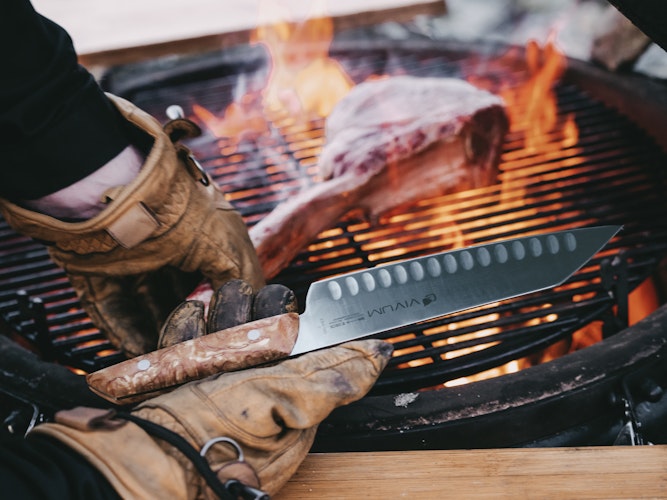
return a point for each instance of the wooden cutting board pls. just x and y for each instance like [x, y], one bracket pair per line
[574, 473]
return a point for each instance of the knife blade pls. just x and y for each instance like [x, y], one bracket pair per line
[363, 303]
[366, 302]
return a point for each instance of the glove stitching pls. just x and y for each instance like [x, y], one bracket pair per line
[286, 440]
[89, 304]
[228, 427]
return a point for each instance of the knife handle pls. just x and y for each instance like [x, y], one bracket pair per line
[242, 346]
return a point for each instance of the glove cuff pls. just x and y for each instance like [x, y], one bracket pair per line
[122, 447]
[133, 463]
[147, 207]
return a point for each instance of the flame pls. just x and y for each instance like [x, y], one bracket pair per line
[570, 132]
[304, 82]
[532, 106]
[241, 120]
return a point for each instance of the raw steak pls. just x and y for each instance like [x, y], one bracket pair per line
[389, 142]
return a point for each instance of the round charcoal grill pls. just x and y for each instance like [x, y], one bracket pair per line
[613, 172]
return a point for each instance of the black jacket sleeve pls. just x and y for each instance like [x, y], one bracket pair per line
[56, 125]
[41, 468]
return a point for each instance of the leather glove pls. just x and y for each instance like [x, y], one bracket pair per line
[270, 415]
[186, 351]
[232, 304]
[140, 257]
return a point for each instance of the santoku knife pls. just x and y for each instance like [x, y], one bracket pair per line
[363, 303]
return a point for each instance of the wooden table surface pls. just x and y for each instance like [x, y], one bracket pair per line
[612, 472]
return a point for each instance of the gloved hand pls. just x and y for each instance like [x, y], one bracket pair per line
[184, 356]
[270, 414]
[140, 257]
[232, 304]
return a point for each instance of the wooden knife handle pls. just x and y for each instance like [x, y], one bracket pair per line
[243, 346]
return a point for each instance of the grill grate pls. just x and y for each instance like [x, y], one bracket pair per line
[612, 174]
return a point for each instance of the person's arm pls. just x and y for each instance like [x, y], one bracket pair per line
[246, 429]
[121, 203]
[45, 469]
[56, 125]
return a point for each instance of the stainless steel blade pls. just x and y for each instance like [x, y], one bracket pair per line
[370, 301]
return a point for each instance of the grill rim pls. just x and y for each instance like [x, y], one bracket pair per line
[516, 409]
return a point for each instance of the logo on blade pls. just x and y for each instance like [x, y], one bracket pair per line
[402, 305]
[428, 299]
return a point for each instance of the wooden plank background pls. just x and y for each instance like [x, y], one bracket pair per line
[612, 472]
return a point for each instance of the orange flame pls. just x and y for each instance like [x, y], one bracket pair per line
[532, 106]
[570, 132]
[241, 120]
[304, 81]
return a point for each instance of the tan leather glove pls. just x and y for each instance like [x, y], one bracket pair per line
[183, 356]
[140, 257]
[271, 413]
[234, 303]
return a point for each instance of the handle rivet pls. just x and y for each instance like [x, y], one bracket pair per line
[144, 364]
[253, 334]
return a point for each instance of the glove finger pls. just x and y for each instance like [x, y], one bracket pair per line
[298, 393]
[186, 322]
[164, 289]
[272, 300]
[230, 305]
[316, 383]
[227, 252]
[306, 389]
[272, 412]
[116, 307]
